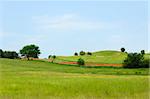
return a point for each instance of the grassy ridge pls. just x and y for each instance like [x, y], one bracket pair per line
[43, 80]
[112, 57]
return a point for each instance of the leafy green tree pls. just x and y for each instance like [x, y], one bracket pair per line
[14, 54]
[134, 60]
[10, 54]
[89, 53]
[30, 51]
[146, 63]
[142, 52]
[82, 53]
[122, 49]
[54, 57]
[80, 61]
[1, 53]
[49, 56]
[75, 54]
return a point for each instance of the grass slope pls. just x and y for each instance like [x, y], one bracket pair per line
[42, 80]
[98, 57]
[108, 56]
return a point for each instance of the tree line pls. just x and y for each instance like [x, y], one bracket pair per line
[133, 60]
[26, 52]
[8, 54]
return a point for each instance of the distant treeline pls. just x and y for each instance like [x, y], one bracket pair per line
[8, 54]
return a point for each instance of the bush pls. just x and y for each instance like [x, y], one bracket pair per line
[1, 53]
[75, 54]
[122, 49]
[49, 56]
[8, 54]
[135, 60]
[89, 53]
[146, 63]
[82, 53]
[80, 61]
[54, 56]
[143, 52]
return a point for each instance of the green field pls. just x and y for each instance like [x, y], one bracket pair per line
[22, 79]
[108, 56]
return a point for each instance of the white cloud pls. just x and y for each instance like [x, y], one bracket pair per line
[68, 22]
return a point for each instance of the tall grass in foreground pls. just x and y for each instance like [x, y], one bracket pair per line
[41, 80]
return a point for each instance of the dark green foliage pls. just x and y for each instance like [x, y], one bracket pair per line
[54, 56]
[89, 53]
[8, 54]
[80, 61]
[82, 53]
[122, 49]
[49, 56]
[143, 52]
[1, 53]
[30, 51]
[146, 63]
[135, 60]
[75, 54]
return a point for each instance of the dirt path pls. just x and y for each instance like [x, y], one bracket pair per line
[93, 64]
[87, 64]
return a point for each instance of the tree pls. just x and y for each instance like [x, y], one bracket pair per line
[75, 54]
[10, 54]
[134, 60]
[82, 53]
[49, 56]
[142, 52]
[54, 57]
[80, 61]
[89, 53]
[14, 54]
[1, 53]
[30, 51]
[122, 49]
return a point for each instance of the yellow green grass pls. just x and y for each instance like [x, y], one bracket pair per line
[107, 56]
[21, 79]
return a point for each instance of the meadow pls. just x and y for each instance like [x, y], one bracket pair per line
[22, 79]
[99, 57]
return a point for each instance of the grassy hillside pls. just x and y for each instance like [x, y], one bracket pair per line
[22, 79]
[107, 56]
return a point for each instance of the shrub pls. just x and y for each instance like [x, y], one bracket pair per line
[49, 56]
[54, 56]
[80, 61]
[76, 54]
[143, 52]
[146, 63]
[89, 53]
[122, 49]
[135, 60]
[8, 54]
[1, 53]
[82, 53]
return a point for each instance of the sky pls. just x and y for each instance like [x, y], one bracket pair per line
[65, 27]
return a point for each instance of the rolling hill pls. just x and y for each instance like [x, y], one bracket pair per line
[98, 57]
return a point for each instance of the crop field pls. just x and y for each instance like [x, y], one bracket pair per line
[22, 79]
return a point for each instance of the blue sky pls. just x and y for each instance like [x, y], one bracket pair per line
[65, 27]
